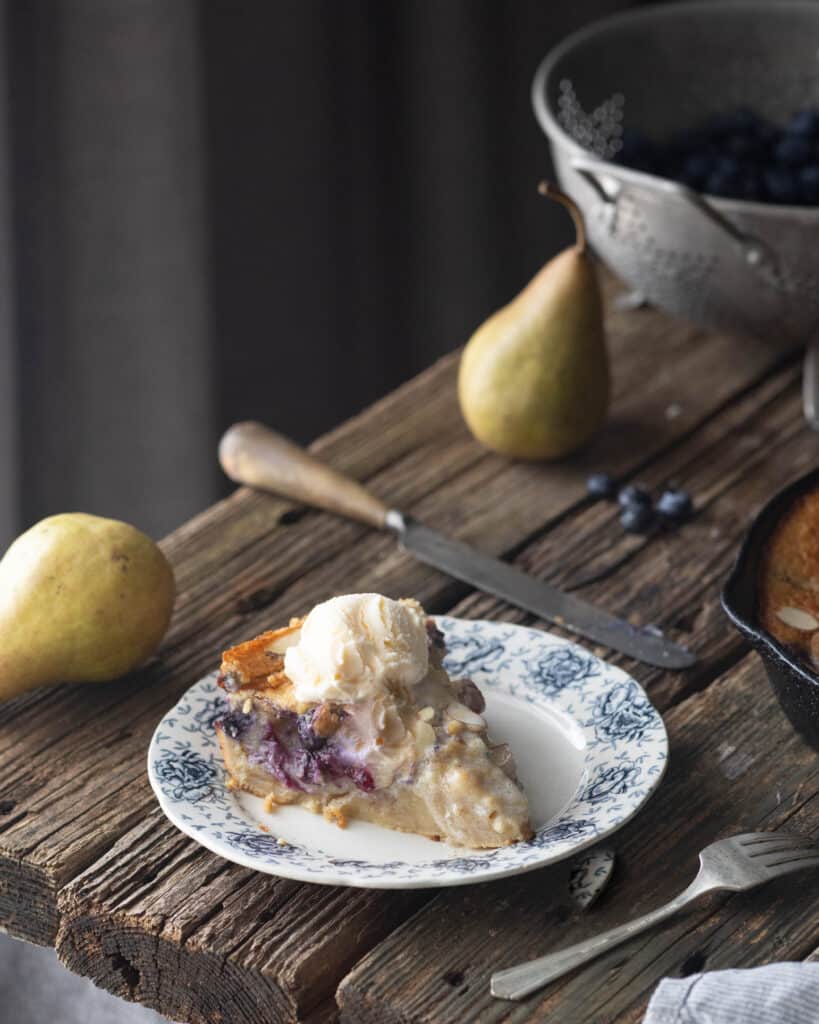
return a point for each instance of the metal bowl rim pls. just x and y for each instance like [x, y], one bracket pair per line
[553, 130]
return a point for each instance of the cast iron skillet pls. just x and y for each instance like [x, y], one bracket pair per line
[795, 684]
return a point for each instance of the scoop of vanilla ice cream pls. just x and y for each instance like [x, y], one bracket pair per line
[352, 646]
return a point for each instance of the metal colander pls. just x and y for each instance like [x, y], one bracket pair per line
[745, 267]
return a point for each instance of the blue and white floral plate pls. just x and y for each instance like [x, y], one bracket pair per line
[589, 746]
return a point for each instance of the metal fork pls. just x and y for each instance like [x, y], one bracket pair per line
[735, 864]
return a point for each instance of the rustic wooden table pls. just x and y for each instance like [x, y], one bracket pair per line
[90, 865]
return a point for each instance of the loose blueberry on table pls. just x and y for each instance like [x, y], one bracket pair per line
[632, 496]
[637, 518]
[674, 504]
[601, 485]
[638, 512]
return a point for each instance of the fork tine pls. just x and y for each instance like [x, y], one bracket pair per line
[763, 838]
[769, 849]
[780, 856]
[785, 866]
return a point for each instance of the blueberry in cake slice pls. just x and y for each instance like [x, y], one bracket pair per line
[350, 713]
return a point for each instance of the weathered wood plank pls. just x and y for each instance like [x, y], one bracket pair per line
[239, 569]
[738, 464]
[728, 746]
[723, 476]
[731, 467]
[157, 910]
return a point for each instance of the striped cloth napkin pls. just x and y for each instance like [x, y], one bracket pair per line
[786, 993]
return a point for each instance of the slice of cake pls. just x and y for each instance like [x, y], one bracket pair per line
[788, 591]
[350, 713]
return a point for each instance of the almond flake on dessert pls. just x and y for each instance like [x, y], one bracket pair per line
[798, 619]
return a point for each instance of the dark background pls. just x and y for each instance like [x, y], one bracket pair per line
[372, 190]
[247, 209]
[211, 211]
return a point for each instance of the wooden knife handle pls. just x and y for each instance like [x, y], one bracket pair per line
[253, 455]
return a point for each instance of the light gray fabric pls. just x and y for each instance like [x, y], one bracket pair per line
[786, 993]
[36, 989]
[117, 416]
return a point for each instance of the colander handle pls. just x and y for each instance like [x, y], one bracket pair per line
[810, 384]
[608, 181]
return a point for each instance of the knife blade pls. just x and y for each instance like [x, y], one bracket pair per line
[256, 456]
[544, 600]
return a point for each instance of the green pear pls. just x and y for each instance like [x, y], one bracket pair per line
[82, 600]
[534, 378]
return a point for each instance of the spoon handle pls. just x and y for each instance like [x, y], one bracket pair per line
[252, 454]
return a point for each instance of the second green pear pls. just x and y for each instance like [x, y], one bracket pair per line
[534, 378]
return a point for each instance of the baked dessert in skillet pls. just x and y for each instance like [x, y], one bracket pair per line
[350, 713]
[788, 585]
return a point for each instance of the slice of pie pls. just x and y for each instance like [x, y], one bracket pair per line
[350, 713]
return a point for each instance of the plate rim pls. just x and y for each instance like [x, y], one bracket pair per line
[292, 871]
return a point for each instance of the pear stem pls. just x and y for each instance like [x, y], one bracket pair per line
[546, 188]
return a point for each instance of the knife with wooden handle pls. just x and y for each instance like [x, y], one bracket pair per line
[252, 454]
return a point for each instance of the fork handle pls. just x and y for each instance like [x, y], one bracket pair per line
[520, 981]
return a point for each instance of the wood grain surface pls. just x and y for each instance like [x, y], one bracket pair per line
[88, 862]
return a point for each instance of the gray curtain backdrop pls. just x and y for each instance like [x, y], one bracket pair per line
[208, 211]
[247, 208]
[372, 175]
[9, 492]
[108, 342]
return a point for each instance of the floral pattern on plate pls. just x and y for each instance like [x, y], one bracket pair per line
[623, 740]
[589, 876]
